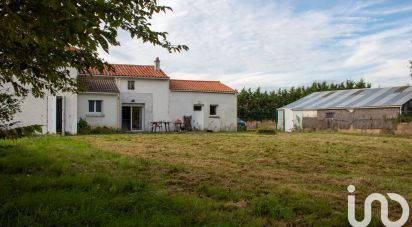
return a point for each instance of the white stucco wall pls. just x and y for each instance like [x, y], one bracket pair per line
[288, 120]
[41, 111]
[181, 104]
[153, 94]
[110, 115]
[33, 112]
[281, 120]
[298, 120]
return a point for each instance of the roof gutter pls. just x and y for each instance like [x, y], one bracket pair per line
[221, 92]
[342, 108]
[98, 93]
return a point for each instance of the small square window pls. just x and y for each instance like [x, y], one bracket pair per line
[95, 106]
[130, 85]
[213, 110]
[197, 108]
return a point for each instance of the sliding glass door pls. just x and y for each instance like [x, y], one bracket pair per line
[132, 118]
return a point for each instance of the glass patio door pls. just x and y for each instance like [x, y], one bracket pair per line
[132, 118]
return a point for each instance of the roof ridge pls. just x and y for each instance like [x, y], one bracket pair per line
[141, 71]
[101, 77]
[365, 88]
[129, 64]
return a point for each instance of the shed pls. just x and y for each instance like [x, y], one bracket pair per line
[370, 108]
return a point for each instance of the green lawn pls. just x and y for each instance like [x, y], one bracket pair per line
[213, 179]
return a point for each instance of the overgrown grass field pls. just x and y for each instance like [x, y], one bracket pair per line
[200, 179]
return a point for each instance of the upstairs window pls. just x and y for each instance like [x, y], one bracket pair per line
[213, 110]
[95, 106]
[130, 85]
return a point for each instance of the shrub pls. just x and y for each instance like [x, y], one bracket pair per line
[241, 128]
[103, 130]
[18, 132]
[83, 127]
[404, 118]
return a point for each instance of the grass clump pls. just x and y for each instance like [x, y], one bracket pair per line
[266, 130]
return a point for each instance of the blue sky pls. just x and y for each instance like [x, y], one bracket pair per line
[272, 44]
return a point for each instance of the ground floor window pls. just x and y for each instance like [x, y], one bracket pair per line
[95, 106]
[213, 110]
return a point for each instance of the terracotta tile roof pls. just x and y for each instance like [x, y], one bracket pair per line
[144, 71]
[200, 86]
[97, 84]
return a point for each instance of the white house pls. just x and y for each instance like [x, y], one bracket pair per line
[129, 98]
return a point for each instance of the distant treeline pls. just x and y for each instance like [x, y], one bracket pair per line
[260, 105]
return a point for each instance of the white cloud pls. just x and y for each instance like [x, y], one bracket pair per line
[390, 73]
[246, 44]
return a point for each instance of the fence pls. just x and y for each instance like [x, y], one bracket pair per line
[253, 125]
[318, 124]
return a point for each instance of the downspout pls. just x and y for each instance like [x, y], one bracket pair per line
[47, 115]
[63, 115]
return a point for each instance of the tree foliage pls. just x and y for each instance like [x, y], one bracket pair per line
[259, 105]
[40, 38]
[9, 106]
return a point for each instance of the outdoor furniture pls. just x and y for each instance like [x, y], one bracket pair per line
[167, 125]
[187, 122]
[156, 125]
[178, 126]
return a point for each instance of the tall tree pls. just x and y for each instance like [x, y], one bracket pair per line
[258, 105]
[40, 38]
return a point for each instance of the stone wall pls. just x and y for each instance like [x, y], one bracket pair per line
[404, 128]
[253, 125]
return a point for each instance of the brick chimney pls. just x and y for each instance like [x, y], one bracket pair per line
[157, 64]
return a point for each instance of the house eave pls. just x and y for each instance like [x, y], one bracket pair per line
[341, 108]
[97, 93]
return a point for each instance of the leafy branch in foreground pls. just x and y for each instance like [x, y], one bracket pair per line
[9, 106]
[40, 38]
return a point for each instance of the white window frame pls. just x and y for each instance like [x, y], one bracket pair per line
[95, 106]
